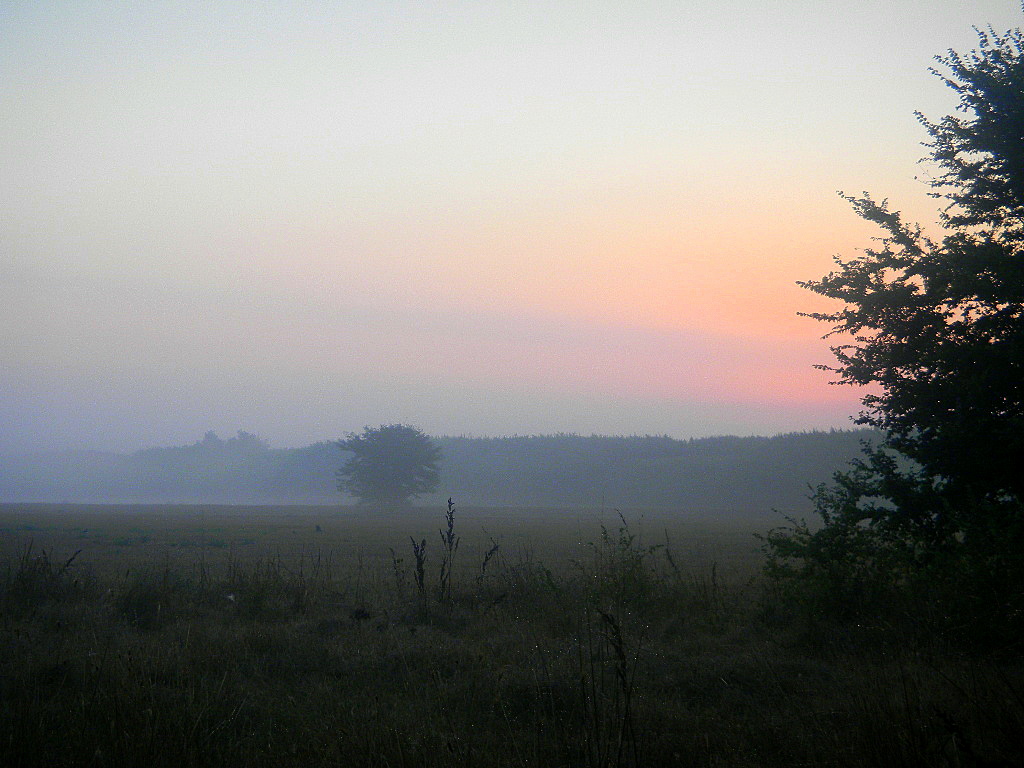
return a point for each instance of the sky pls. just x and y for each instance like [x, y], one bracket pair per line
[493, 218]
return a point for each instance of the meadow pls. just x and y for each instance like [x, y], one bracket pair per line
[316, 636]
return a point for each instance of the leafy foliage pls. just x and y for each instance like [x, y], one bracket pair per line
[980, 156]
[390, 464]
[937, 328]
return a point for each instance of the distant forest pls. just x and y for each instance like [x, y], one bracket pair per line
[565, 470]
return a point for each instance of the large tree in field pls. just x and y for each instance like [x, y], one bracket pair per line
[937, 327]
[389, 464]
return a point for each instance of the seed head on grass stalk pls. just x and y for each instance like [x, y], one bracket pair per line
[449, 545]
[419, 552]
[488, 556]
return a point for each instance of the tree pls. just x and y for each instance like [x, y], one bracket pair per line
[937, 327]
[389, 464]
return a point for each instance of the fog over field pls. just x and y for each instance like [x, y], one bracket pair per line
[726, 475]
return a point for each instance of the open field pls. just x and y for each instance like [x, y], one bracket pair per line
[308, 636]
[352, 537]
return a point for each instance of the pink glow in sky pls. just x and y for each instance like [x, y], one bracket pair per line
[483, 218]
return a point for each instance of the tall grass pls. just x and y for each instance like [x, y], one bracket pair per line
[628, 656]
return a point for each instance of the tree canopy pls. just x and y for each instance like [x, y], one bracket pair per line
[940, 325]
[390, 464]
[937, 326]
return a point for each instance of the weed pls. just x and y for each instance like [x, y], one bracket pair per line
[607, 671]
[488, 556]
[449, 546]
[419, 552]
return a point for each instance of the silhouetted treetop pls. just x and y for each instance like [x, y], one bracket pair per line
[940, 325]
[980, 154]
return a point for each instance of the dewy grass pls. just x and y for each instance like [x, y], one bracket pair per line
[286, 656]
[36, 578]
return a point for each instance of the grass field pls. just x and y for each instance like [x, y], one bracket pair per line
[311, 636]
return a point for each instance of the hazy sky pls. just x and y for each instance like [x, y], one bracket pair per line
[476, 217]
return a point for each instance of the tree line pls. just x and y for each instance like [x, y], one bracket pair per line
[565, 470]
